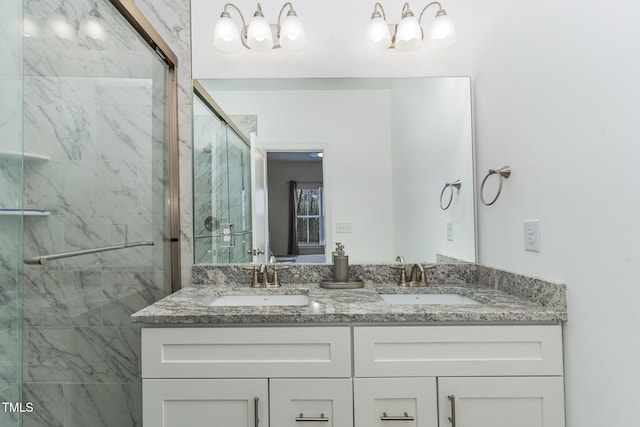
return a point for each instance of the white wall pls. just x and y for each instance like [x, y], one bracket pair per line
[431, 145]
[353, 128]
[335, 31]
[556, 97]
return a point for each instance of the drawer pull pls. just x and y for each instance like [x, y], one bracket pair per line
[256, 421]
[320, 418]
[452, 418]
[405, 417]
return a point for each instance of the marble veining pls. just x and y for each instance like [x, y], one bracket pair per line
[192, 305]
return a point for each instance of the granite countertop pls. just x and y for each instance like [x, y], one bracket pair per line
[191, 306]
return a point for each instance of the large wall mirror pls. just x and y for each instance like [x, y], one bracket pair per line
[363, 161]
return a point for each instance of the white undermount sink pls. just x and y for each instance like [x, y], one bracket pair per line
[428, 299]
[259, 300]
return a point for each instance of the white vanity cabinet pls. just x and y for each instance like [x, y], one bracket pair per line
[354, 376]
[247, 377]
[472, 376]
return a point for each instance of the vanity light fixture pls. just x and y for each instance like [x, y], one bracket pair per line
[408, 34]
[258, 35]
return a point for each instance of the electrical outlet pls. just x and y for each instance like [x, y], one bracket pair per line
[450, 231]
[226, 235]
[532, 235]
[343, 227]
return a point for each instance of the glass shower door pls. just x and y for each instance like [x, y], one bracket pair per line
[11, 163]
[222, 190]
[96, 111]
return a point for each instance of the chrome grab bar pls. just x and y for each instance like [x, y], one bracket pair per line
[42, 259]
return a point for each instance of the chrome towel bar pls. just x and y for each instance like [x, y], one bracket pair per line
[43, 259]
[503, 173]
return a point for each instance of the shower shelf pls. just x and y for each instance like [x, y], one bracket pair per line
[25, 212]
[26, 156]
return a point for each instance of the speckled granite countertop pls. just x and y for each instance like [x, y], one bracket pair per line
[511, 298]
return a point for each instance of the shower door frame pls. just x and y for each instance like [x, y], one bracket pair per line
[137, 20]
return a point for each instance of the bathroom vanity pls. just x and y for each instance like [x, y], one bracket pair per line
[348, 358]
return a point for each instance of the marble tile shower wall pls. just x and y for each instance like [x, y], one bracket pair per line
[208, 132]
[239, 202]
[221, 190]
[10, 197]
[88, 106]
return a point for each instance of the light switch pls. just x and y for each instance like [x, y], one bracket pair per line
[343, 227]
[450, 231]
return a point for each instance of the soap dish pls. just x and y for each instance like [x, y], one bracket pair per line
[350, 284]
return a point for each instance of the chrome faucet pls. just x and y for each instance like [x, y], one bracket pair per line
[260, 276]
[418, 278]
[264, 276]
[402, 280]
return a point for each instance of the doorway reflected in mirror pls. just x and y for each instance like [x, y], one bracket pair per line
[296, 206]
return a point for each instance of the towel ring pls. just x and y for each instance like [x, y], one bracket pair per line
[457, 184]
[503, 173]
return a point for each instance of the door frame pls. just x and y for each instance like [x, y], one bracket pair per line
[327, 184]
[143, 27]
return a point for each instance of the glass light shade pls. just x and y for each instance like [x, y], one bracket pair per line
[59, 26]
[226, 35]
[408, 34]
[292, 33]
[259, 36]
[378, 35]
[442, 34]
[92, 28]
[30, 28]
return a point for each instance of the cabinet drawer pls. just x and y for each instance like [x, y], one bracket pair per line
[457, 351]
[205, 403]
[383, 402]
[326, 402]
[246, 352]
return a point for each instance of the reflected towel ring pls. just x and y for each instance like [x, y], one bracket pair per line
[457, 184]
[503, 173]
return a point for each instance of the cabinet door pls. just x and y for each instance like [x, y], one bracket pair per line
[205, 403]
[389, 402]
[501, 402]
[298, 402]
